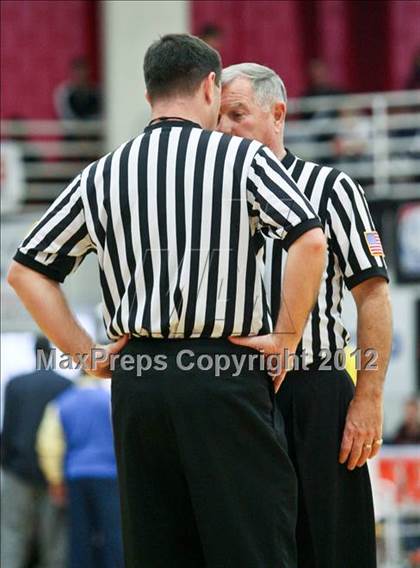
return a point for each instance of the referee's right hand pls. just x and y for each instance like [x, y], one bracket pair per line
[99, 362]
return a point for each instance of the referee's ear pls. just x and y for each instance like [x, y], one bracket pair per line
[148, 99]
[279, 114]
[209, 84]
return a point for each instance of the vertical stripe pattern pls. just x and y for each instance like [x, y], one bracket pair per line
[341, 205]
[176, 218]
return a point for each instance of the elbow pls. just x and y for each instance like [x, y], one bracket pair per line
[14, 275]
[313, 243]
[19, 275]
[318, 242]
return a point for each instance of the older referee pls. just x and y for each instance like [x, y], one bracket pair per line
[327, 425]
[175, 216]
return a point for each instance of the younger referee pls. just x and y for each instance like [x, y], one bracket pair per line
[174, 217]
[327, 424]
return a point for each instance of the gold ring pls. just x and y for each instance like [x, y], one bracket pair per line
[368, 446]
[379, 442]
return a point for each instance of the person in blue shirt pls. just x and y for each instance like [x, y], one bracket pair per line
[76, 454]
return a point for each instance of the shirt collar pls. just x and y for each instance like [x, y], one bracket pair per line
[170, 123]
[288, 159]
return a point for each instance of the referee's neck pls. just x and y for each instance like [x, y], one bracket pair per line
[277, 147]
[281, 152]
[182, 109]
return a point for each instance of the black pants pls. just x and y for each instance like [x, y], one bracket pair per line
[204, 475]
[95, 528]
[336, 527]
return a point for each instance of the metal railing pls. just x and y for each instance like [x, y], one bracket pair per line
[52, 152]
[375, 138]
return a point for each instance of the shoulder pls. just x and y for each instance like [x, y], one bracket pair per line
[348, 200]
[328, 173]
[348, 190]
[334, 181]
[15, 383]
[103, 164]
[66, 395]
[60, 380]
[24, 380]
[50, 381]
[238, 142]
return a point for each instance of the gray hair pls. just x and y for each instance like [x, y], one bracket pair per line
[267, 85]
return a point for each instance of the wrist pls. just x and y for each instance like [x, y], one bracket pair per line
[370, 392]
[284, 341]
[84, 352]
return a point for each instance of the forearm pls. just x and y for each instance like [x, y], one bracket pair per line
[45, 301]
[304, 268]
[374, 340]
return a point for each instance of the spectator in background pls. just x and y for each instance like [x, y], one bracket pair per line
[319, 83]
[414, 77]
[320, 128]
[26, 505]
[78, 99]
[353, 136]
[212, 35]
[409, 430]
[75, 448]
[409, 433]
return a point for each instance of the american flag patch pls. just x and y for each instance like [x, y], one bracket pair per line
[374, 243]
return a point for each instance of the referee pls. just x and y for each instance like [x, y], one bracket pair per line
[327, 425]
[175, 217]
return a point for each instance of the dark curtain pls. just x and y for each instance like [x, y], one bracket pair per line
[368, 45]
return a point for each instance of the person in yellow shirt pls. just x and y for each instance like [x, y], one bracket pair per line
[75, 449]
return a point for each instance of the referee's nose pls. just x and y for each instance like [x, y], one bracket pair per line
[224, 125]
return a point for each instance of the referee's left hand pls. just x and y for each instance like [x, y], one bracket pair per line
[362, 437]
[277, 352]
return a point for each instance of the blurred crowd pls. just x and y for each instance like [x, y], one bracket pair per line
[409, 430]
[341, 136]
[78, 98]
[60, 503]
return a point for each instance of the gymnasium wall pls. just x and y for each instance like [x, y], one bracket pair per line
[368, 45]
[38, 41]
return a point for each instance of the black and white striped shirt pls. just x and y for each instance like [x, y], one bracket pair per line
[353, 252]
[176, 218]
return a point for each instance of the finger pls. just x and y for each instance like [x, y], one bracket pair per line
[103, 373]
[376, 446]
[119, 344]
[278, 380]
[273, 365]
[346, 446]
[356, 452]
[254, 342]
[366, 451]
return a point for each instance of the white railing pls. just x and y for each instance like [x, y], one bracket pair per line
[375, 138]
[52, 152]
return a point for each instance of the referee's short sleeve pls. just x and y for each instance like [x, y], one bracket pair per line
[352, 233]
[59, 241]
[282, 210]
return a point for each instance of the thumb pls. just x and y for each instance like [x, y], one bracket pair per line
[253, 342]
[278, 380]
[119, 344]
